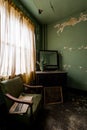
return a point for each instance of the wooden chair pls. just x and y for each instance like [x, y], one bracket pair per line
[15, 93]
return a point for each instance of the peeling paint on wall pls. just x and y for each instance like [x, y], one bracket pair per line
[68, 66]
[72, 48]
[82, 47]
[71, 22]
[80, 67]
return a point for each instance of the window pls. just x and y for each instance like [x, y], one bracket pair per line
[17, 41]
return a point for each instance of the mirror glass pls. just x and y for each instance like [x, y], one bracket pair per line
[49, 59]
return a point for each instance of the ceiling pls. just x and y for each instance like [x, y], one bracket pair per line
[50, 11]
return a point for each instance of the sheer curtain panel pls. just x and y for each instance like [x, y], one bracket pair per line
[17, 42]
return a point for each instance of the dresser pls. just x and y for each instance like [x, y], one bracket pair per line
[54, 82]
[51, 78]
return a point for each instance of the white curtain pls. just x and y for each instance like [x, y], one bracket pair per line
[17, 42]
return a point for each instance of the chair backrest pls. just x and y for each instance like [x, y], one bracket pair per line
[12, 86]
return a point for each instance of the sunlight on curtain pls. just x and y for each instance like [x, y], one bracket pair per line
[17, 42]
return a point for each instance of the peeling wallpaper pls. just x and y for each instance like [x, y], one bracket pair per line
[69, 37]
[71, 22]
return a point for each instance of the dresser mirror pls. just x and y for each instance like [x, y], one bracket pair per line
[49, 59]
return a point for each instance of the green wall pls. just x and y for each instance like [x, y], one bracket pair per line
[71, 44]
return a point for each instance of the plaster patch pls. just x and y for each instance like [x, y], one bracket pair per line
[70, 49]
[65, 47]
[80, 67]
[85, 47]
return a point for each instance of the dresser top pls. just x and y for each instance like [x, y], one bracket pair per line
[50, 72]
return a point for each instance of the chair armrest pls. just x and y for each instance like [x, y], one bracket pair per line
[34, 86]
[33, 89]
[18, 100]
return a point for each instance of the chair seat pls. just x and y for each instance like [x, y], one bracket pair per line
[26, 118]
